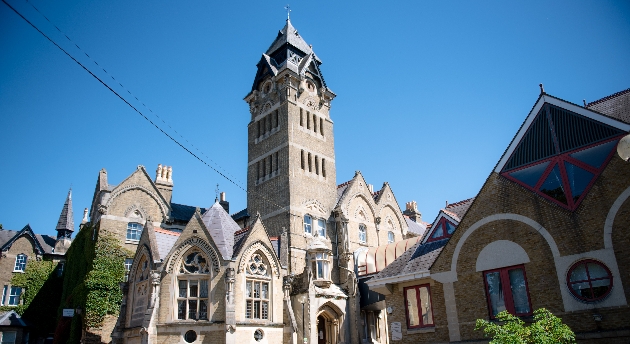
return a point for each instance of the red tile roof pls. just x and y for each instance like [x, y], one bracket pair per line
[165, 231]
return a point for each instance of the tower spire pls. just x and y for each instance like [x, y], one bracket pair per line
[288, 8]
[65, 225]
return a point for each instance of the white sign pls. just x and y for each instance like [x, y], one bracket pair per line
[396, 331]
[68, 312]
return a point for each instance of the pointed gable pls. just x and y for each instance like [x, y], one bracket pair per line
[222, 228]
[253, 239]
[28, 232]
[560, 150]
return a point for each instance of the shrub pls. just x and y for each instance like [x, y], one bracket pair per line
[546, 329]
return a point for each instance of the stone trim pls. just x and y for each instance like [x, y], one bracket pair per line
[187, 245]
[259, 246]
[610, 218]
[163, 207]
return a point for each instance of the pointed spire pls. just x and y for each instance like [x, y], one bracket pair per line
[65, 225]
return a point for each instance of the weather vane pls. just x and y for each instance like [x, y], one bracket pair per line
[288, 8]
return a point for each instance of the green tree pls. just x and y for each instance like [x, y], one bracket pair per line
[546, 329]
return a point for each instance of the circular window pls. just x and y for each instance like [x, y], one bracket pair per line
[258, 335]
[190, 336]
[589, 280]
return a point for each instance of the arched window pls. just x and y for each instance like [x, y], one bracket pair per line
[308, 223]
[390, 237]
[362, 233]
[589, 280]
[20, 263]
[257, 288]
[192, 286]
[134, 230]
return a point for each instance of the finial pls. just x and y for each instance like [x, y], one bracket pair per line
[288, 8]
[584, 101]
[216, 191]
[542, 89]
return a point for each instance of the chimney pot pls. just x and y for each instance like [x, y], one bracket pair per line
[371, 188]
[222, 196]
[85, 215]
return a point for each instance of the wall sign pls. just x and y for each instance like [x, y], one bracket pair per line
[396, 330]
[68, 312]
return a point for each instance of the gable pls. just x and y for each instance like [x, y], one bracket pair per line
[443, 227]
[560, 151]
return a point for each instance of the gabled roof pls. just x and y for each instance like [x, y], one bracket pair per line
[289, 35]
[222, 228]
[66, 220]
[414, 227]
[43, 243]
[239, 238]
[11, 319]
[458, 210]
[165, 239]
[183, 212]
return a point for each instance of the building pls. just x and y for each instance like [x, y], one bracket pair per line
[547, 229]
[283, 269]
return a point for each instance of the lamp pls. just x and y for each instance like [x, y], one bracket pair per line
[302, 299]
[623, 148]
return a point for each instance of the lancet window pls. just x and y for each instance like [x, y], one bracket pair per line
[257, 288]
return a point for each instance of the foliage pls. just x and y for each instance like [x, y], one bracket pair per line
[94, 269]
[547, 329]
[41, 296]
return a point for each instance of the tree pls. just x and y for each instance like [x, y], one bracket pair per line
[546, 329]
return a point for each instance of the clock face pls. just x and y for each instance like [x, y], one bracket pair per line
[266, 87]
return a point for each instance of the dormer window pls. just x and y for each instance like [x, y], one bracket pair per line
[443, 229]
[20, 263]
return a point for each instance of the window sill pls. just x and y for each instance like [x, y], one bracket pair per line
[20, 271]
[421, 330]
[130, 241]
[266, 135]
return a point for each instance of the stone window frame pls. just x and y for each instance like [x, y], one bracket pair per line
[182, 275]
[20, 262]
[362, 233]
[391, 237]
[507, 290]
[417, 288]
[324, 259]
[589, 280]
[254, 276]
[133, 233]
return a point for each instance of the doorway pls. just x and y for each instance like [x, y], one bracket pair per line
[322, 335]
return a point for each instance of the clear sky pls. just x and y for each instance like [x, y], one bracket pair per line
[429, 93]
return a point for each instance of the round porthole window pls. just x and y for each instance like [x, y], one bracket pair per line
[258, 335]
[589, 280]
[190, 336]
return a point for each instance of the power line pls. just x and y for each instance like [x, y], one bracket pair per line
[128, 103]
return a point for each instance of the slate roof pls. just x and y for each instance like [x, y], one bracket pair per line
[459, 209]
[418, 258]
[615, 105]
[66, 218]
[239, 238]
[289, 35]
[165, 239]
[241, 214]
[414, 227]
[183, 212]
[222, 228]
[341, 188]
[11, 318]
[46, 242]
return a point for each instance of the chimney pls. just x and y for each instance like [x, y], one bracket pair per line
[371, 188]
[164, 181]
[85, 216]
[225, 204]
[412, 211]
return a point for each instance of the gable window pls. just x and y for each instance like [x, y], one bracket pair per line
[506, 289]
[192, 283]
[561, 155]
[321, 228]
[390, 237]
[257, 293]
[14, 296]
[20, 263]
[8, 337]
[134, 230]
[418, 306]
[308, 223]
[443, 229]
[362, 233]
[589, 280]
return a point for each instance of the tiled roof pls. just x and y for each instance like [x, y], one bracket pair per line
[165, 240]
[183, 212]
[614, 95]
[415, 227]
[66, 218]
[341, 188]
[459, 209]
[222, 228]
[239, 239]
[289, 35]
[239, 215]
[46, 242]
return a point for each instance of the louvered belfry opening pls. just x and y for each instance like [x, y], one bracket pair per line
[561, 155]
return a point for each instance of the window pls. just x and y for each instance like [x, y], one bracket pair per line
[589, 280]
[8, 337]
[60, 267]
[4, 294]
[321, 266]
[307, 224]
[418, 306]
[316, 165]
[310, 169]
[14, 296]
[315, 123]
[324, 168]
[134, 230]
[362, 233]
[128, 263]
[301, 118]
[321, 228]
[390, 237]
[302, 159]
[257, 293]
[443, 229]
[506, 289]
[308, 120]
[192, 282]
[20, 262]
[321, 126]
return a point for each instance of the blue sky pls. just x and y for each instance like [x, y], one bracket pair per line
[429, 94]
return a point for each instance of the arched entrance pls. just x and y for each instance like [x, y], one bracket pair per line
[328, 319]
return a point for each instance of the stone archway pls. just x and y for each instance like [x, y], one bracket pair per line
[327, 325]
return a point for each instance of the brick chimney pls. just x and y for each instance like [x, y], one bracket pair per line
[164, 181]
[412, 211]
